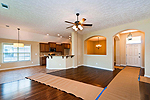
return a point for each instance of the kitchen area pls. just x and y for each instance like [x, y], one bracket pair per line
[56, 55]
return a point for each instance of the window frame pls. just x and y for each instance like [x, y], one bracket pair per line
[16, 53]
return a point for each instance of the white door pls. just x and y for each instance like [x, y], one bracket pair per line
[133, 55]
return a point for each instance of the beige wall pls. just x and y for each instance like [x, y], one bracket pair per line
[77, 48]
[122, 49]
[34, 58]
[91, 47]
[108, 60]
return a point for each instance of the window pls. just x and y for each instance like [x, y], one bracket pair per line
[14, 54]
[134, 40]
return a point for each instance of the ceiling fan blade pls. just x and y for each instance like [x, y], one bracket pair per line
[83, 19]
[86, 24]
[69, 22]
[69, 27]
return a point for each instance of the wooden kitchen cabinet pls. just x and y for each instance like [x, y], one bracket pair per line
[44, 47]
[42, 61]
[58, 48]
[52, 44]
[66, 45]
[47, 47]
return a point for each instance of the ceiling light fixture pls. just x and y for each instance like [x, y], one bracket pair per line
[129, 36]
[47, 34]
[69, 35]
[98, 45]
[80, 27]
[18, 44]
[58, 34]
[75, 28]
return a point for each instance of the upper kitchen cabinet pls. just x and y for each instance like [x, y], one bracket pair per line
[66, 45]
[47, 47]
[58, 48]
[44, 47]
[52, 44]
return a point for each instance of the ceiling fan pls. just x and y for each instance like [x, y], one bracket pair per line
[78, 25]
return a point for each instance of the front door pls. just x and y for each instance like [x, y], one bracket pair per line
[133, 55]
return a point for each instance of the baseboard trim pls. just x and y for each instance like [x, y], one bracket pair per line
[123, 65]
[98, 67]
[142, 67]
[19, 67]
[117, 65]
[78, 65]
[147, 76]
[56, 68]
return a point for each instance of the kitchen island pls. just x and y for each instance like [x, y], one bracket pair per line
[59, 62]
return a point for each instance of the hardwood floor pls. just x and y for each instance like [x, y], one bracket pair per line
[144, 87]
[31, 90]
[21, 73]
[93, 76]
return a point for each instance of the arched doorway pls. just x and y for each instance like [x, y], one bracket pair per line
[129, 48]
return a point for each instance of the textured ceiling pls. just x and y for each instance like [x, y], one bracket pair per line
[48, 16]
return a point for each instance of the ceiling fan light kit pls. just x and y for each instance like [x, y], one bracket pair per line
[78, 25]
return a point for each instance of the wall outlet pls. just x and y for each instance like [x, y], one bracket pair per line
[79, 62]
[35, 53]
[96, 63]
[59, 64]
[0, 65]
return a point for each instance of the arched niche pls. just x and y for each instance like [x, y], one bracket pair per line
[90, 45]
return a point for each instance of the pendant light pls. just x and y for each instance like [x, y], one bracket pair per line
[18, 44]
[129, 36]
[98, 45]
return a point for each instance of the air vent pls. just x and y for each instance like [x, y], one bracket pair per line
[4, 6]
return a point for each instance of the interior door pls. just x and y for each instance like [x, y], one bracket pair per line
[133, 53]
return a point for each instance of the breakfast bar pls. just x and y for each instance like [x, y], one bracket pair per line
[59, 62]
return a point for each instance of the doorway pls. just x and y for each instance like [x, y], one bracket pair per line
[129, 52]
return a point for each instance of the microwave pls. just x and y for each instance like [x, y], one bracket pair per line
[52, 49]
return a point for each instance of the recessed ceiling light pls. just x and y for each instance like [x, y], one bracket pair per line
[58, 34]
[47, 34]
[69, 36]
[4, 6]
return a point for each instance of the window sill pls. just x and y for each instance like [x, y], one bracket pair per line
[16, 61]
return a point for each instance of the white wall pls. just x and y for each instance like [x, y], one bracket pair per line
[107, 61]
[9, 33]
